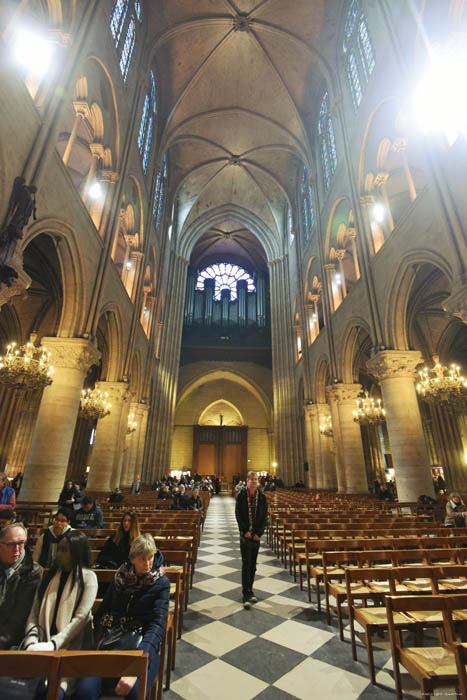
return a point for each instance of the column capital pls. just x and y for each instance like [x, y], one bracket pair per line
[456, 304]
[340, 253]
[117, 391]
[389, 364]
[97, 150]
[351, 232]
[81, 108]
[109, 176]
[343, 393]
[381, 178]
[71, 353]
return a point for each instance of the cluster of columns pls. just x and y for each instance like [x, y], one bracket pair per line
[116, 456]
[338, 460]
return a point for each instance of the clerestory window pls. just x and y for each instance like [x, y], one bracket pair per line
[358, 51]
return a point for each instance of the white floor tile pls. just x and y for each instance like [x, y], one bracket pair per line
[217, 638]
[295, 635]
[314, 679]
[218, 680]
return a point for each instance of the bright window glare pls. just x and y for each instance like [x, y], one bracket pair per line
[440, 100]
[378, 213]
[33, 52]
[95, 190]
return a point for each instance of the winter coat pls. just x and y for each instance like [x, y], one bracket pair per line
[241, 513]
[149, 606]
[92, 519]
[21, 587]
[46, 547]
[112, 555]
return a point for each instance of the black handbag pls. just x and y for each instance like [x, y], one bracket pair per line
[124, 636]
[23, 688]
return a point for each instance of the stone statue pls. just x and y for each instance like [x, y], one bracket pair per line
[22, 204]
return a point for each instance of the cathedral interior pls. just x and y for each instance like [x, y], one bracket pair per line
[249, 217]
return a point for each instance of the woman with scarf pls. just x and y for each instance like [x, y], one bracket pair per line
[62, 606]
[455, 511]
[67, 498]
[117, 548]
[47, 544]
[140, 593]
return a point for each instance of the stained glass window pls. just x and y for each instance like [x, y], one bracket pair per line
[350, 24]
[117, 19]
[328, 150]
[308, 211]
[138, 10]
[365, 46]
[226, 276]
[359, 50]
[127, 48]
[354, 81]
[143, 125]
[147, 144]
[153, 92]
[159, 195]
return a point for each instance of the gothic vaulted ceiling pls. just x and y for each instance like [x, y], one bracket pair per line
[239, 85]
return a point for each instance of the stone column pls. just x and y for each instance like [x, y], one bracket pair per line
[53, 433]
[130, 451]
[311, 477]
[326, 449]
[338, 449]
[349, 438]
[142, 418]
[105, 452]
[81, 111]
[395, 370]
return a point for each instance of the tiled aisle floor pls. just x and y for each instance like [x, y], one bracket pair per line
[279, 650]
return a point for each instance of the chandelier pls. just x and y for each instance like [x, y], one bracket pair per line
[325, 427]
[94, 404]
[369, 411]
[442, 384]
[26, 366]
[132, 424]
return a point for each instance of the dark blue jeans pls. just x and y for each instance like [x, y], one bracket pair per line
[249, 549]
[95, 688]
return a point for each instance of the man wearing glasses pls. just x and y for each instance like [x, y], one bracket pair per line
[19, 579]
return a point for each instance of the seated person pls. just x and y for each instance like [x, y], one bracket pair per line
[46, 547]
[63, 603]
[89, 515]
[180, 501]
[67, 498]
[117, 496]
[7, 494]
[117, 548]
[164, 494]
[455, 511]
[79, 495]
[7, 517]
[195, 502]
[19, 579]
[140, 593]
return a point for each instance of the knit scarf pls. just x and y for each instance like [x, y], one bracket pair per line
[252, 504]
[127, 581]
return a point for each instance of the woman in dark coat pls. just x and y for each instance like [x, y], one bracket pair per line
[117, 548]
[67, 497]
[140, 593]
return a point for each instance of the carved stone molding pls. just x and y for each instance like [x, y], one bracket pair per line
[343, 393]
[394, 363]
[381, 178]
[456, 304]
[117, 391]
[72, 353]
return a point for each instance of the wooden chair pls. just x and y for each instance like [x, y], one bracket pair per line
[431, 667]
[103, 664]
[460, 655]
[175, 577]
[33, 664]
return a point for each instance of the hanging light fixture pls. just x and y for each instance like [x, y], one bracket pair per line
[94, 404]
[132, 424]
[369, 411]
[26, 366]
[325, 427]
[442, 384]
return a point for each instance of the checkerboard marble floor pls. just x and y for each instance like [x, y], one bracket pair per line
[281, 649]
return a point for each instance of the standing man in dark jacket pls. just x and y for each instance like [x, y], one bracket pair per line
[19, 579]
[251, 511]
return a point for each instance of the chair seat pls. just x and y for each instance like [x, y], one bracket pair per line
[431, 661]
[340, 588]
[377, 616]
[332, 570]
[426, 616]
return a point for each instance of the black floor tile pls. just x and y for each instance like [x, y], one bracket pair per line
[263, 659]
[254, 621]
[273, 693]
[189, 658]
[192, 620]
[339, 654]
